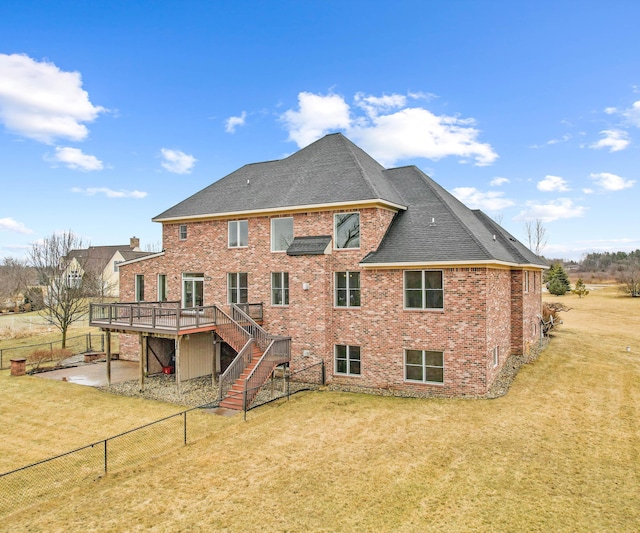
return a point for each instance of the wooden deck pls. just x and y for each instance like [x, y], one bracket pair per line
[161, 317]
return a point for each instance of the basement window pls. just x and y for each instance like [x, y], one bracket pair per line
[424, 366]
[347, 360]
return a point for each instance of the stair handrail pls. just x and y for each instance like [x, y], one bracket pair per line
[233, 371]
[238, 329]
[255, 330]
[277, 353]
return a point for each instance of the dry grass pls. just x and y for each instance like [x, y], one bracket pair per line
[558, 453]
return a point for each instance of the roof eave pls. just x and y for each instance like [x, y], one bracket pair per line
[378, 202]
[138, 259]
[449, 264]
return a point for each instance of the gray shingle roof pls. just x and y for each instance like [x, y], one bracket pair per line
[435, 227]
[309, 245]
[330, 170]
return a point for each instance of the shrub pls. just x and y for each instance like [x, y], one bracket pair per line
[38, 357]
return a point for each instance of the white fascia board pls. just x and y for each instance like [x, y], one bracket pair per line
[288, 209]
[138, 259]
[451, 264]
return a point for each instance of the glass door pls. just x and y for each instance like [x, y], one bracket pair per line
[192, 290]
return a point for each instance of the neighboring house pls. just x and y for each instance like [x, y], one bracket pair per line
[102, 262]
[380, 273]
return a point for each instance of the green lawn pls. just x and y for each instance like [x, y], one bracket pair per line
[559, 452]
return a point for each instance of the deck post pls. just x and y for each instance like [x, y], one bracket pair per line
[143, 348]
[217, 347]
[108, 336]
[178, 342]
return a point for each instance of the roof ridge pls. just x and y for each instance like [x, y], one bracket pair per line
[435, 188]
[363, 173]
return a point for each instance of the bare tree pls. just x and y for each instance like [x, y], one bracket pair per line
[61, 273]
[154, 247]
[536, 236]
[16, 281]
[629, 277]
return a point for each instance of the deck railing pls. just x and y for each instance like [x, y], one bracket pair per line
[233, 371]
[278, 352]
[261, 337]
[160, 315]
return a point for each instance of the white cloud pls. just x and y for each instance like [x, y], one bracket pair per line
[42, 102]
[487, 201]
[552, 183]
[611, 182]
[317, 116]
[374, 105]
[615, 140]
[497, 181]
[9, 224]
[109, 193]
[632, 114]
[177, 161]
[233, 122]
[556, 209]
[75, 159]
[566, 137]
[588, 191]
[610, 110]
[388, 130]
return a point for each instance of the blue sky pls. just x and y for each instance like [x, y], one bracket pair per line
[112, 112]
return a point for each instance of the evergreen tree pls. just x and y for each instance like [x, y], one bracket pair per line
[557, 280]
[580, 289]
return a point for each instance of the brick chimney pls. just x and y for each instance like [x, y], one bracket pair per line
[134, 243]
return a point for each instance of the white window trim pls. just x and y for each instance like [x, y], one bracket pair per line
[238, 287]
[526, 281]
[335, 290]
[165, 287]
[281, 274]
[271, 233]
[237, 223]
[335, 360]
[180, 237]
[335, 230]
[404, 291]
[422, 382]
[139, 277]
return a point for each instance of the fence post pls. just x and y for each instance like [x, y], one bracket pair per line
[185, 428]
[102, 342]
[105, 456]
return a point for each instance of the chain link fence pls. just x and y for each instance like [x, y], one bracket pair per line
[83, 466]
[90, 342]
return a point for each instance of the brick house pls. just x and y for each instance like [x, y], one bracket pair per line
[380, 273]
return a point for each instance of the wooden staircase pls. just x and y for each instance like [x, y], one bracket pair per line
[235, 397]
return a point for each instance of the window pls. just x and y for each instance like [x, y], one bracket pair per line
[347, 230]
[116, 266]
[496, 356]
[183, 232]
[192, 289]
[281, 234]
[279, 288]
[139, 287]
[238, 233]
[425, 366]
[74, 279]
[237, 288]
[347, 360]
[162, 287]
[347, 286]
[423, 289]
[526, 281]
